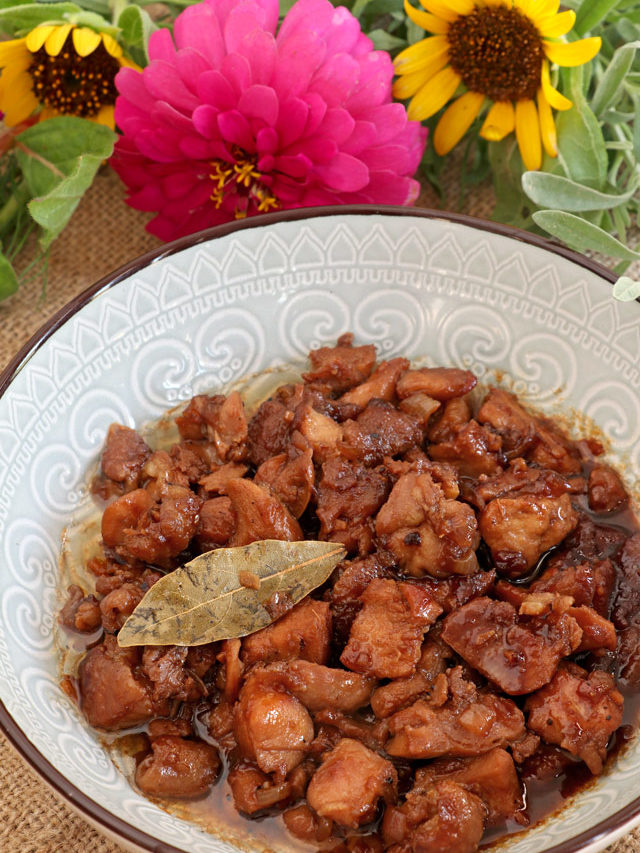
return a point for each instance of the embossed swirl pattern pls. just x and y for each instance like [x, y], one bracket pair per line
[211, 314]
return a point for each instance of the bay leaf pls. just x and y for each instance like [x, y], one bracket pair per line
[205, 600]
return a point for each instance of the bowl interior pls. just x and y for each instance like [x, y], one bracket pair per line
[448, 293]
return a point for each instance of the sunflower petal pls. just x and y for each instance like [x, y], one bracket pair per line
[434, 94]
[17, 100]
[569, 54]
[456, 121]
[38, 36]
[500, 121]
[545, 8]
[557, 25]
[111, 45]
[547, 126]
[555, 99]
[85, 40]
[14, 55]
[56, 39]
[420, 54]
[526, 7]
[528, 134]
[428, 22]
[443, 8]
[408, 84]
[105, 116]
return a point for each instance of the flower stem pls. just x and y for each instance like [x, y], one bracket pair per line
[12, 206]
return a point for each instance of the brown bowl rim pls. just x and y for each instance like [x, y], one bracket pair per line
[94, 812]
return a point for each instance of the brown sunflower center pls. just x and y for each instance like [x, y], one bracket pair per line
[241, 184]
[74, 85]
[497, 51]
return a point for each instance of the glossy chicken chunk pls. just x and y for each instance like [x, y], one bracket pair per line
[114, 694]
[606, 490]
[270, 725]
[350, 782]
[578, 711]
[291, 479]
[441, 383]
[123, 457]
[427, 532]
[341, 367]
[304, 632]
[380, 430]
[259, 515]
[519, 530]
[219, 419]
[381, 385]
[517, 652]
[387, 634]
[460, 722]
[443, 818]
[319, 687]
[474, 451]
[178, 768]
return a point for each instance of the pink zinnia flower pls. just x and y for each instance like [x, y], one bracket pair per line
[235, 119]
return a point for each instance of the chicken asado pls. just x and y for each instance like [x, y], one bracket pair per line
[478, 636]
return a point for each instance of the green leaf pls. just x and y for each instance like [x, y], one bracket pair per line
[15, 19]
[626, 289]
[382, 40]
[555, 191]
[136, 26]
[609, 87]
[581, 144]
[591, 12]
[8, 278]
[582, 235]
[59, 158]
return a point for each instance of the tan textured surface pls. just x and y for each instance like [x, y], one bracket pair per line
[103, 235]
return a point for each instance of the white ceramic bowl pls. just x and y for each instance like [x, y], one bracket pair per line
[207, 310]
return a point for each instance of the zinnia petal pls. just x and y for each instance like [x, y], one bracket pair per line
[570, 54]
[547, 125]
[456, 121]
[420, 54]
[85, 40]
[528, 134]
[555, 99]
[428, 22]
[500, 121]
[345, 173]
[56, 39]
[557, 25]
[434, 94]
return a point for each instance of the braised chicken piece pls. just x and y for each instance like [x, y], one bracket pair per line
[348, 497]
[387, 634]
[178, 768]
[115, 695]
[458, 722]
[381, 385]
[524, 434]
[418, 695]
[519, 530]
[427, 532]
[605, 489]
[341, 367]
[473, 451]
[492, 777]
[443, 818]
[349, 783]
[441, 383]
[123, 458]
[518, 652]
[271, 726]
[578, 711]
[303, 632]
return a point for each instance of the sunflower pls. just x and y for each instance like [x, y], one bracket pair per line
[62, 69]
[497, 52]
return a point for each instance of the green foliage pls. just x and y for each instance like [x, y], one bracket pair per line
[136, 26]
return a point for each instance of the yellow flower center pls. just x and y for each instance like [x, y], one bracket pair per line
[498, 52]
[72, 84]
[244, 182]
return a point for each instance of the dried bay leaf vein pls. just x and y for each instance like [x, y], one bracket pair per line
[206, 600]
